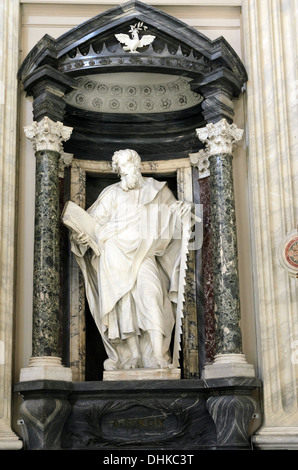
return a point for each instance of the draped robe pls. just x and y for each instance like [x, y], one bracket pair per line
[132, 286]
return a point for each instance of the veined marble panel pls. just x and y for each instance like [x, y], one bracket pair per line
[77, 350]
[9, 17]
[208, 272]
[272, 116]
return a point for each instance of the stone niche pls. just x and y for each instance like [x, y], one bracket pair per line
[154, 100]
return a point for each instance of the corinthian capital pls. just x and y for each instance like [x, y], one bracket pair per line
[220, 138]
[47, 134]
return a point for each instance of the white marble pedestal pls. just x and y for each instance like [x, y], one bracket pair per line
[142, 374]
[45, 368]
[229, 365]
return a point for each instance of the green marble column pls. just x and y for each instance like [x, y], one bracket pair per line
[228, 336]
[47, 137]
[46, 256]
[219, 139]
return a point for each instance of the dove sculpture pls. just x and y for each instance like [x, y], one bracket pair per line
[134, 42]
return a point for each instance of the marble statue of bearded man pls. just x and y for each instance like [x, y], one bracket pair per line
[132, 285]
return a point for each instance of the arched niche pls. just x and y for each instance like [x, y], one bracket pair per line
[153, 101]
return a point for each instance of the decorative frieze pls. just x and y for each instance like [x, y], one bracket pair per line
[101, 93]
[153, 57]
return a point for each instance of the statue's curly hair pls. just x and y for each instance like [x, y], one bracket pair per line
[132, 155]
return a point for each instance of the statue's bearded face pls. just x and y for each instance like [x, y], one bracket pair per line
[130, 175]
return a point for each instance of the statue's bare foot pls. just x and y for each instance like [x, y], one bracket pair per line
[134, 363]
[163, 364]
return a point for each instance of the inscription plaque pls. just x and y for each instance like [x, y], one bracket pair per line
[136, 423]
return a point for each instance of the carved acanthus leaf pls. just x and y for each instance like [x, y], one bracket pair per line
[47, 134]
[220, 138]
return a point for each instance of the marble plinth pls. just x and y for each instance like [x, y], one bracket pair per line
[142, 374]
[142, 414]
[8, 439]
[229, 365]
[45, 368]
[276, 438]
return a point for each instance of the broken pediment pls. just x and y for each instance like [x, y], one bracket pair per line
[133, 76]
[176, 48]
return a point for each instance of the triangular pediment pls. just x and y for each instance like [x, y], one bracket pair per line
[93, 47]
[150, 95]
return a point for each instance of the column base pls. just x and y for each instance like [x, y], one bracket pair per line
[228, 365]
[276, 438]
[8, 439]
[45, 368]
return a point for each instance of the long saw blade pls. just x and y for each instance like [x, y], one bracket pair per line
[186, 234]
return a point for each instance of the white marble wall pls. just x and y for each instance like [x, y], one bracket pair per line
[271, 45]
[9, 18]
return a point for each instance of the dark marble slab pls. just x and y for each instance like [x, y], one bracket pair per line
[144, 414]
[215, 385]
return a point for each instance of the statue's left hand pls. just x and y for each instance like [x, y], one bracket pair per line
[182, 208]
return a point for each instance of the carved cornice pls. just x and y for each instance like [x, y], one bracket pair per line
[47, 135]
[220, 138]
[153, 58]
[93, 48]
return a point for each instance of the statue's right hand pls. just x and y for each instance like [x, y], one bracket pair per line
[81, 239]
